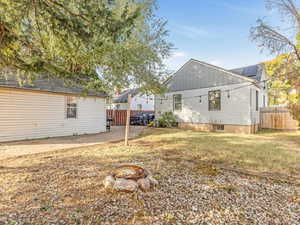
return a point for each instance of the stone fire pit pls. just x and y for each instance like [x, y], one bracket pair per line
[129, 178]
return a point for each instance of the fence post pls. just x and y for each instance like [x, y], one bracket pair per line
[127, 120]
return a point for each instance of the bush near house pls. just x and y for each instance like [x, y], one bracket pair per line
[167, 120]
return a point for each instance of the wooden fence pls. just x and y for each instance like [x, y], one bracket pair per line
[277, 118]
[119, 116]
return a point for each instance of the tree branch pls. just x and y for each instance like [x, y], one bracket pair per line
[271, 39]
[69, 11]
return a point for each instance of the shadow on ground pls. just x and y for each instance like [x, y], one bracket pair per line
[65, 187]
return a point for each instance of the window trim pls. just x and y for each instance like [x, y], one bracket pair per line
[209, 100]
[177, 102]
[69, 104]
[140, 107]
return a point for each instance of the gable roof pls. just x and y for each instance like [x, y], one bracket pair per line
[196, 74]
[229, 72]
[54, 85]
[254, 71]
[123, 97]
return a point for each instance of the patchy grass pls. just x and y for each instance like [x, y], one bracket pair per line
[66, 185]
[267, 152]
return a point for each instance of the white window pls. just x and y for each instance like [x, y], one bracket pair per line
[177, 101]
[71, 107]
[214, 100]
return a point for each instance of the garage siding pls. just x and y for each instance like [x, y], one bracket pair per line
[30, 115]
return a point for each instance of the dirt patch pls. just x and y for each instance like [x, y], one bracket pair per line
[19, 148]
[297, 141]
[65, 186]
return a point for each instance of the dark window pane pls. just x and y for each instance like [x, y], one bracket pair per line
[217, 127]
[71, 112]
[71, 107]
[177, 102]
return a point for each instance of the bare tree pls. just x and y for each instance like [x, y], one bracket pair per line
[285, 67]
[274, 39]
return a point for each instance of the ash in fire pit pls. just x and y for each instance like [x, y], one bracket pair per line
[129, 178]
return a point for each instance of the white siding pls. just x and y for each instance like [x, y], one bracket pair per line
[122, 106]
[262, 96]
[146, 102]
[235, 110]
[29, 115]
[255, 114]
[264, 90]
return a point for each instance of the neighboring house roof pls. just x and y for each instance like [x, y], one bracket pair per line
[196, 74]
[123, 97]
[254, 71]
[47, 84]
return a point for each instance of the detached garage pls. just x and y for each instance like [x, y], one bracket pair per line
[48, 108]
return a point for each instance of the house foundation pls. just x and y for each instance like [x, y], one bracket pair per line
[226, 128]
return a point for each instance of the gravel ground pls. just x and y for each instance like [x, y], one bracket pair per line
[64, 192]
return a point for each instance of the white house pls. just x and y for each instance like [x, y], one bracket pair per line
[139, 101]
[48, 108]
[207, 97]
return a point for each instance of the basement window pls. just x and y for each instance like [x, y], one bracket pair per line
[71, 107]
[218, 127]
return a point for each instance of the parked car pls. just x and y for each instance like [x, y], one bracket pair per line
[142, 118]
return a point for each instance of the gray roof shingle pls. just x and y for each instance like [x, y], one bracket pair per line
[47, 84]
[123, 97]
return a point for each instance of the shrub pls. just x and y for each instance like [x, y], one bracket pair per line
[295, 111]
[151, 124]
[168, 120]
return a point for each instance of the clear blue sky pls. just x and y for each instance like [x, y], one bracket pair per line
[216, 31]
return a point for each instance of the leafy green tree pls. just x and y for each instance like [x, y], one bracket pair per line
[281, 89]
[87, 42]
[284, 69]
[284, 86]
